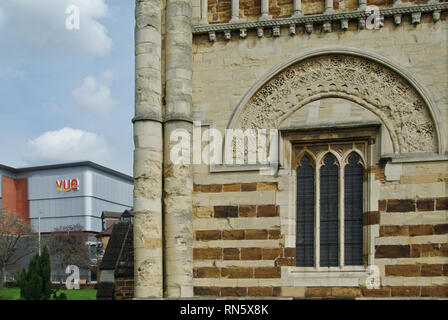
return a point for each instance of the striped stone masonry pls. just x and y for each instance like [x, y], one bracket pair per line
[236, 187]
[281, 256]
[240, 211]
[411, 205]
[237, 292]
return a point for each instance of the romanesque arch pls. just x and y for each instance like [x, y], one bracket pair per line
[401, 102]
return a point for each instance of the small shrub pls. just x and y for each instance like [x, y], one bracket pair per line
[35, 283]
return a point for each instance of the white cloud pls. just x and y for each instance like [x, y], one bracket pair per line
[66, 145]
[2, 17]
[94, 94]
[30, 26]
[11, 73]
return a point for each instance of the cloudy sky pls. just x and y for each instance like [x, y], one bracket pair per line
[67, 94]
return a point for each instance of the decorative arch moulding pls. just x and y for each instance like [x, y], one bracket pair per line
[395, 96]
[326, 19]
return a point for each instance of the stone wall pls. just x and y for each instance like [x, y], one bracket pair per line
[219, 11]
[244, 222]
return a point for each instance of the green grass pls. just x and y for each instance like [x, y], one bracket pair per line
[82, 294]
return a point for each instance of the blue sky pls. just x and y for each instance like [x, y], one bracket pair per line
[66, 95]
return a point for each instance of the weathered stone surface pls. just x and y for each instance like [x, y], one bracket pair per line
[226, 211]
[392, 251]
[442, 203]
[267, 211]
[237, 273]
[208, 235]
[233, 235]
[256, 234]
[425, 205]
[431, 270]
[404, 270]
[267, 272]
[400, 205]
[207, 291]
[250, 253]
[207, 253]
[411, 291]
[247, 211]
[231, 254]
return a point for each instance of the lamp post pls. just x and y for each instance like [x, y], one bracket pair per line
[39, 230]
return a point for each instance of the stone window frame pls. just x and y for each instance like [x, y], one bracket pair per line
[341, 162]
[290, 139]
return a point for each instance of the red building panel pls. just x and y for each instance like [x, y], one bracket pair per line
[15, 196]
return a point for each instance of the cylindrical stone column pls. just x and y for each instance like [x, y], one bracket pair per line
[235, 11]
[362, 4]
[328, 6]
[204, 11]
[297, 8]
[265, 10]
[178, 177]
[148, 152]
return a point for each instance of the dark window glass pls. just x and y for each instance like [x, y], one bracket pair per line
[353, 173]
[329, 221]
[305, 214]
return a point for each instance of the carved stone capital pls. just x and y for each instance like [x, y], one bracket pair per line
[276, 31]
[260, 32]
[227, 34]
[416, 16]
[361, 24]
[243, 33]
[292, 30]
[344, 24]
[326, 26]
[309, 28]
[212, 36]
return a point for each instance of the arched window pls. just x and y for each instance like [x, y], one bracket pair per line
[305, 213]
[353, 198]
[329, 216]
[329, 212]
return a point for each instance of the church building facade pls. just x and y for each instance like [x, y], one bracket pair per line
[291, 148]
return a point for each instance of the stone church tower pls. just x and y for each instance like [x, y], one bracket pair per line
[351, 199]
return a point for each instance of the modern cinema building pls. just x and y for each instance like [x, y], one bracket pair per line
[64, 194]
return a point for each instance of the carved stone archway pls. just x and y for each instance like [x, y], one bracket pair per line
[400, 102]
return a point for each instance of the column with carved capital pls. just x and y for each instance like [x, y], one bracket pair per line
[148, 151]
[204, 11]
[265, 10]
[235, 11]
[297, 8]
[362, 5]
[328, 6]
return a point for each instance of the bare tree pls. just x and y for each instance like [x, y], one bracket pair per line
[68, 246]
[16, 240]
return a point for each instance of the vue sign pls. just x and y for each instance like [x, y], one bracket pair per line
[67, 185]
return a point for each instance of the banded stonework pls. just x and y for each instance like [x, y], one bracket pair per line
[333, 88]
